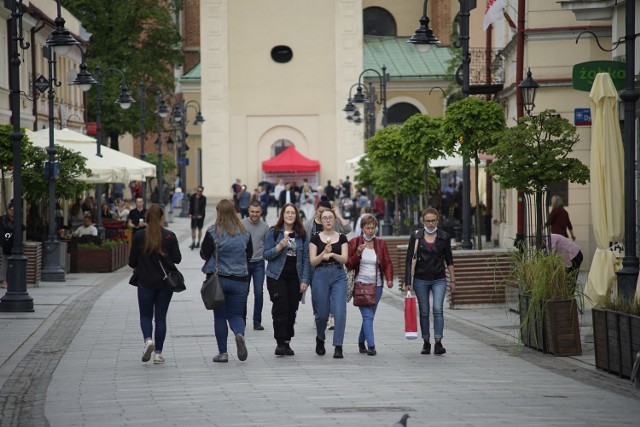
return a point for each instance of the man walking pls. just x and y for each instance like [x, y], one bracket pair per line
[197, 207]
[258, 229]
[135, 219]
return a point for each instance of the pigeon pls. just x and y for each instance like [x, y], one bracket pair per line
[402, 422]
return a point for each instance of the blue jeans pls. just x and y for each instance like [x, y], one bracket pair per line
[256, 271]
[231, 312]
[422, 288]
[329, 292]
[154, 303]
[368, 313]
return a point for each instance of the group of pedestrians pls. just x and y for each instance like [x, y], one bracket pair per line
[298, 255]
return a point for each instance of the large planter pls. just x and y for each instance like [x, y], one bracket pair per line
[616, 338]
[99, 259]
[553, 329]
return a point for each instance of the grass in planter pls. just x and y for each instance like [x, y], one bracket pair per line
[623, 305]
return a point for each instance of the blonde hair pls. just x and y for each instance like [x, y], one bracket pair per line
[227, 219]
[556, 202]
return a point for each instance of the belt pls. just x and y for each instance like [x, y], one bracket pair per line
[329, 264]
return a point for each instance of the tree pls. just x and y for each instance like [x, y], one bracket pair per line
[138, 37]
[534, 154]
[472, 126]
[392, 171]
[35, 185]
[423, 141]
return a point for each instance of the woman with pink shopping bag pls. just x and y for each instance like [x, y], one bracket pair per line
[428, 253]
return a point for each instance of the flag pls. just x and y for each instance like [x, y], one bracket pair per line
[493, 12]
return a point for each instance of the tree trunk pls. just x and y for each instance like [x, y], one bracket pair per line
[478, 229]
[539, 220]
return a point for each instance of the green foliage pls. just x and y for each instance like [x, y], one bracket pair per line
[544, 276]
[621, 304]
[472, 126]
[534, 154]
[168, 162]
[138, 37]
[423, 139]
[392, 172]
[35, 186]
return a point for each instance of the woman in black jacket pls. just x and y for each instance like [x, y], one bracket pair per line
[432, 248]
[149, 247]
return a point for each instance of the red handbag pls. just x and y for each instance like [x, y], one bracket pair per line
[364, 294]
[410, 317]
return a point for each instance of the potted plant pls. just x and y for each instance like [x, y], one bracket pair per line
[548, 305]
[616, 334]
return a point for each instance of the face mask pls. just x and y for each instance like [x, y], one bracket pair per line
[430, 230]
[367, 238]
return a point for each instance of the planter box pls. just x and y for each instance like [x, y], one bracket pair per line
[553, 330]
[100, 260]
[616, 338]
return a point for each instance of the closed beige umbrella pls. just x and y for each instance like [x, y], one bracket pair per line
[607, 185]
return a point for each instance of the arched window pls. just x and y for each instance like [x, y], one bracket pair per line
[400, 112]
[279, 146]
[378, 22]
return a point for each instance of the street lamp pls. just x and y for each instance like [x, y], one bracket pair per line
[528, 88]
[179, 117]
[52, 270]
[85, 81]
[16, 298]
[423, 38]
[162, 111]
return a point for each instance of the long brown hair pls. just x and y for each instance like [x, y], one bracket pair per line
[227, 219]
[153, 231]
[298, 226]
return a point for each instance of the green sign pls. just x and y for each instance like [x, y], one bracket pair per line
[585, 73]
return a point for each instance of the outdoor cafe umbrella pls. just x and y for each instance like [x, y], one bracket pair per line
[607, 185]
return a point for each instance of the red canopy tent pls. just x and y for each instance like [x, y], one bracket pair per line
[290, 161]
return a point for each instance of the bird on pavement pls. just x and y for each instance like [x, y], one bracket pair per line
[402, 422]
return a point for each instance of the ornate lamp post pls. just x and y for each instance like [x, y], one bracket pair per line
[52, 271]
[423, 37]
[85, 81]
[17, 299]
[162, 111]
[179, 117]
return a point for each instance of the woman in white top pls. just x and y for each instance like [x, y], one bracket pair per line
[369, 257]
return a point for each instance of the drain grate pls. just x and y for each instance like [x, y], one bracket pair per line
[352, 409]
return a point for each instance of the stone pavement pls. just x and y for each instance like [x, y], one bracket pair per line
[75, 361]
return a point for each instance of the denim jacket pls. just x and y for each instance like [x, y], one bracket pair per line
[277, 259]
[233, 253]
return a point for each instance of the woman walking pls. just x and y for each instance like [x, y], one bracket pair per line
[227, 247]
[433, 251]
[370, 259]
[328, 252]
[150, 247]
[286, 247]
[559, 219]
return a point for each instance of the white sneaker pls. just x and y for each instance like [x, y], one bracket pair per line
[158, 359]
[330, 324]
[149, 346]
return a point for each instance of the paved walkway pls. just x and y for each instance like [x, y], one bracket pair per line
[75, 361]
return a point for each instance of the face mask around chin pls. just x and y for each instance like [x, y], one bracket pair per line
[431, 230]
[367, 238]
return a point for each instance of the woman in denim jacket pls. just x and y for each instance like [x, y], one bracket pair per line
[286, 247]
[233, 245]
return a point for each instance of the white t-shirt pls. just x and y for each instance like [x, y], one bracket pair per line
[367, 273]
[87, 231]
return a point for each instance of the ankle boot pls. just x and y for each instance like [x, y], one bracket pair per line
[362, 347]
[426, 348]
[337, 353]
[320, 351]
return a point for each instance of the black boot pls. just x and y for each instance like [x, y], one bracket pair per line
[439, 349]
[426, 348]
[280, 349]
[362, 347]
[337, 353]
[288, 351]
[320, 351]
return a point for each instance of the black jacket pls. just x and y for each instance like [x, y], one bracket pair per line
[202, 205]
[283, 197]
[431, 260]
[147, 267]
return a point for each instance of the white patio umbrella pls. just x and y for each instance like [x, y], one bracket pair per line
[607, 184]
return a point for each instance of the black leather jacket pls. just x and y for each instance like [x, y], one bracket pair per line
[431, 260]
